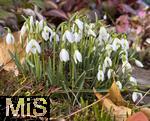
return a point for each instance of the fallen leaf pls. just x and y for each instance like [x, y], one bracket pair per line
[5, 58]
[115, 95]
[120, 113]
[146, 111]
[139, 116]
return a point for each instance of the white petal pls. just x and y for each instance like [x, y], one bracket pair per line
[23, 30]
[41, 24]
[31, 21]
[107, 62]
[77, 56]
[100, 75]
[136, 96]
[33, 46]
[64, 55]
[10, 39]
[139, 64]
[77, 37]
[79, 24]
[126, 66]
[69, 36]
[109, 73]
[118, 83]
[133, 80]
[45, 35]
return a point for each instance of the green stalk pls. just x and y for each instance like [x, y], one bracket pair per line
[73, 67]
[54, 51]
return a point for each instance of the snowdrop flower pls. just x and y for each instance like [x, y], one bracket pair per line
[89, 30]
[105, 17]
[10, 39]
[77, 37]
[68, 36]
[46, 33]
[79, 24]
[100, 75]
[23, 30]
[64, 55]
[124, 44]
[54, 35]
[126, 66]
[77, 56]
[139, 63]
[136, 96]
[133, 80]
[107, 62]
[118, 83]
[31, 23]
[116, 44]
[33, 47]
[109, 73]
[103, 35]
[41, 24]
[31, 20]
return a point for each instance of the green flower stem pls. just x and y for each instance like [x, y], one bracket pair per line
[72, 67]
[54, 51]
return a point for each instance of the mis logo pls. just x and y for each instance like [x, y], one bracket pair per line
[24, 107]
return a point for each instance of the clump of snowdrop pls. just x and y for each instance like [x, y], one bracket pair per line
[77, 49]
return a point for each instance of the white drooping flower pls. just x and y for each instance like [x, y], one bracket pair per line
[31, 23]
[77, 56]
[107, 62]
[136, 96]
[118, 83]
[105, 17]
[10, 39]
[33, 47]
[116, 44]
[89, 30]
[64, 55]
[46, 33]
[68, 35]
[103, 35]
[53, 35]
[23, 30]
[31, 20]
[41, 24]
[77, 37]
[133, 80]
[126, 66]
[100, 75]
[124, 44]
[139, 63]
[79, 24]
[109, 73]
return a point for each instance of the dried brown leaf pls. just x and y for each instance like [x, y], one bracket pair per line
[5, 57]
[119, 112]
[115, 95]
